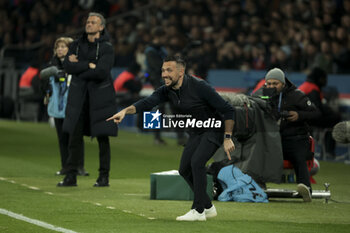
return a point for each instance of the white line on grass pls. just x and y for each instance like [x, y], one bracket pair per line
[30, 187]
[136, 194]
[35, 222]
[97, 204]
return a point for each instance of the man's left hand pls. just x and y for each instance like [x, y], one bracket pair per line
[229, 146]
[92, 65]
[293, 116]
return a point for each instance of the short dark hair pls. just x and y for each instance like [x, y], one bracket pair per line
[134, 68]
[103, 20]
[177, 59]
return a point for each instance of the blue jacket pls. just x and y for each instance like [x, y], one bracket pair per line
[239, 187]
[58, 100]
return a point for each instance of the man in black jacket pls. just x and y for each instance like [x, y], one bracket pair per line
[291, 109]
[192, 96]
[91, 97]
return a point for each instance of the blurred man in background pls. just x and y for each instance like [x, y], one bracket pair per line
[155, 53]
[312, 87]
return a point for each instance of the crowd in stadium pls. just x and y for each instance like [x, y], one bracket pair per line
[227, 34]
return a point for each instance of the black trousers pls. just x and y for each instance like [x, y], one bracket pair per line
[297, 151]
[198, 150]
[63, 141]
[77, 138]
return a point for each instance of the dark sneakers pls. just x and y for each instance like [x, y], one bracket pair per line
[102, 181]
[68, 181]
[71, 181]
[81, 172]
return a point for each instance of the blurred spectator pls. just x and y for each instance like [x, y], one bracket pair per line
[312, 87]
[155, 53]
[324, 58]
[298, 28]
[30, 91]
[128, 85]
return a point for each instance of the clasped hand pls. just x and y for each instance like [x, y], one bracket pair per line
[293, 116]
[73, 58]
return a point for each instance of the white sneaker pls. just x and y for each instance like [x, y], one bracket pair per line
[211, 212]
[192, 215]
[304, 191]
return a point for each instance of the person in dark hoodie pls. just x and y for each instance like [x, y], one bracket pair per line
[155, 52]
[291, 108]
[312, 87]
[56, 83]
[91, 97]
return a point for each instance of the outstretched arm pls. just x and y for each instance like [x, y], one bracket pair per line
[118, 117]
[157, 97]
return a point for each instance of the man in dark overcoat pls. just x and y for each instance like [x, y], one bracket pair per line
[91, 96]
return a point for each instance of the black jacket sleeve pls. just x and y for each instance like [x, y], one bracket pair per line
[103, 66]
[315, 98]
[74, 67]
[305, 108]
[209, 94]
[157, 97]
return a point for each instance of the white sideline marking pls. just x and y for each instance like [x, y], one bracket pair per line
[136, 194]
[30, 187]
[35, 222]
[3, 211]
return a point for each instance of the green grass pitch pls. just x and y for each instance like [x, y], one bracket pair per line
[29, 158]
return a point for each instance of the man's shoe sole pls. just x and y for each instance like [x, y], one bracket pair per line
[304, 192]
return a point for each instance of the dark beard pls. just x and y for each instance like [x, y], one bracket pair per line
[173, 84]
